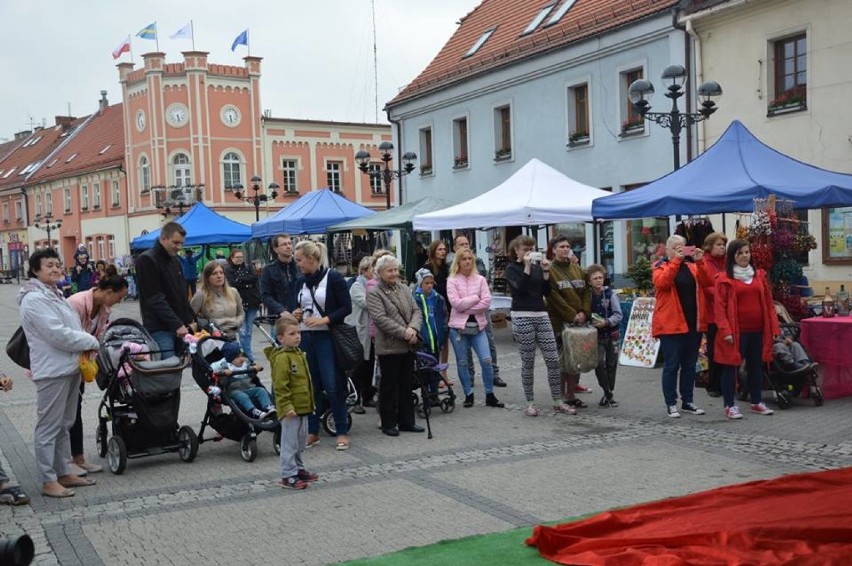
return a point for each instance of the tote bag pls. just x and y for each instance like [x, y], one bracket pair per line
[18, 349]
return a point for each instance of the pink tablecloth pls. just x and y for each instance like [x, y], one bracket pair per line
[829, 342]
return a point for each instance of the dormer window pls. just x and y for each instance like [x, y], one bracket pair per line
[480, 42]
[563, 9]
[543, 13]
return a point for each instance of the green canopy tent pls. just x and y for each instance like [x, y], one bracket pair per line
[398, 218]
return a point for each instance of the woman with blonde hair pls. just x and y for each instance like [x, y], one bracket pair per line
[218, 302]
[715, 245]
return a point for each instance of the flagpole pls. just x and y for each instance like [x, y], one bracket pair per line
[248, 42]
[156, 37]
[130, 42]
[192, 33]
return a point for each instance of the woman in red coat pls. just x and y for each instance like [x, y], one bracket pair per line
[747, 324]
[715, 245]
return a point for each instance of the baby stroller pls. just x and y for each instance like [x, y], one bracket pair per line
[327, 420]
[141, 398]
[235, 424]
[427, 374]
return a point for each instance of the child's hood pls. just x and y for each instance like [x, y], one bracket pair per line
[274, 352]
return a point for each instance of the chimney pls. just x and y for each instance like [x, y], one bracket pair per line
[64, 121]
[22, 134]
[103, 104]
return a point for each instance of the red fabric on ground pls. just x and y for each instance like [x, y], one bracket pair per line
[803, 519]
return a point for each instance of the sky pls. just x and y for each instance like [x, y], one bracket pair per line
[317, 55]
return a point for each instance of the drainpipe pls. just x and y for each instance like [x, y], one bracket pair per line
[687, 53]
[398, 158]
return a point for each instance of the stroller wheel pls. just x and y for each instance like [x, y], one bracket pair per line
[116, 455]
[248, 448]
[424, 411]
[447, 405]
[101, 438]
[816, 393]
[415, 399]
[276, 441]
[187, 444]
[329, 425]
[783, 399]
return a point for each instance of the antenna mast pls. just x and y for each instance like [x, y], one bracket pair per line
[375, 61]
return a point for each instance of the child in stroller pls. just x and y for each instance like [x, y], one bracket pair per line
[253, 400]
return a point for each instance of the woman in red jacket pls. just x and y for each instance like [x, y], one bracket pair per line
[747, 325]
[678, 320]
[714, 260]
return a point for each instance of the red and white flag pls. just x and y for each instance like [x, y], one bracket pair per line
[124, 47]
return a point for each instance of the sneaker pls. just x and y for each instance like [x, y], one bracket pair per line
[307, 476]
[733, 412]
[565, 409]
[531, 411]
[492, 401]
[691, 408]
[761, 409]
[672, 410]
[604, 402]
[293, 482]
[582, 389]
[270, 412]
[613, 403]
[257, 414]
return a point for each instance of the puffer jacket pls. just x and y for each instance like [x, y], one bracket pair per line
[53, 331]
[468, 296]
[392, 310]
[291, 380]
[668, 314]
[714, 265]
[727, 320]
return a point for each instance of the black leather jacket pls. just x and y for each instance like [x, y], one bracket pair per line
[243, 278]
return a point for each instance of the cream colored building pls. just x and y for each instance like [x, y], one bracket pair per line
[766, 52]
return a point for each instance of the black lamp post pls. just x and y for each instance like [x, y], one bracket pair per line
[46, 223]
[257, 198]
[674, 76]
[386, 175]
[178, 200]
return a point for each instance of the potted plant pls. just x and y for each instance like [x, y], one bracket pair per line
[786, 101]
[425, 170]
[503, 153]
[578, 138]
[460, 161]
[640, 273]
[632, 126]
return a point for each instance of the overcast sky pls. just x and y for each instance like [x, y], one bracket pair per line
[317, 54]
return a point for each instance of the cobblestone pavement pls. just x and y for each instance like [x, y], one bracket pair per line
[485, 470]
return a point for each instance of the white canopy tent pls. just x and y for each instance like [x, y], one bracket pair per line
[536, 194]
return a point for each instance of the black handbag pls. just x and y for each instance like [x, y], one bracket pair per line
[18, 349]
[348, 350]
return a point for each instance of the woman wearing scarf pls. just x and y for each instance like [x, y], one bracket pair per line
[747, 325]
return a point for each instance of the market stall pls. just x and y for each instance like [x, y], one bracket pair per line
[203, 227]
[311, 213]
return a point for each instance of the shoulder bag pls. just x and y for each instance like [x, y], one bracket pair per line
[18, 349]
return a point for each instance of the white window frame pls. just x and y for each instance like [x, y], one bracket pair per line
[290, 175]
[19, 210]
[455, 142]
[228, 176]
[116, 194]
[66, 195]
[144, 175]
[571, 110]
[499, 141]
[621, 88]
[84, 197]
[111, 247]
[181, 170]
[6, 218]
[377, 186]
[101, 248]
[38, 205]
[96, 195]
[48, 202]
[427, 150]
[330, 173]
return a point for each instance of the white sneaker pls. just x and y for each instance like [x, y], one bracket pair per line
[733, 412]
[673, 413]
[691, 408]
[761, 409]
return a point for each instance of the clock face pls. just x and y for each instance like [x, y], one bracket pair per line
[177, 115]
[230, 116]
[140, 120]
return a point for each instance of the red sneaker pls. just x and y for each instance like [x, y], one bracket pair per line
[293, 482]
[582, 389]
[307, 476]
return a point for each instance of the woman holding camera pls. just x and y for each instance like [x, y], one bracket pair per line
[529, 278]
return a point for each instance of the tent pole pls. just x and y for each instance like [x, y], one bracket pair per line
[595, 257]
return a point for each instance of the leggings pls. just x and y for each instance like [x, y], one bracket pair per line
[529, 332]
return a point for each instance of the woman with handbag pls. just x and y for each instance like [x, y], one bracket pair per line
[244, 279]
[397, 319]
[218, 302]
[470, 298]
[569, 302]
[323, 301]
[56, 342]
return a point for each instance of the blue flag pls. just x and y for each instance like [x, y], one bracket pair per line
[242, 39]
[148, 32]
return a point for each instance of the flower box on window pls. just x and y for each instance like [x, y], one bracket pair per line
[578, 138]
[425, 170]
[460, 162]
[788, 101]
[502, 154]
[633, 127]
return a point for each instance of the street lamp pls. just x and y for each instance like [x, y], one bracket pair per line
[386, 175]
[269, 195]
[176, 198]
[46, 223]
[674, 76]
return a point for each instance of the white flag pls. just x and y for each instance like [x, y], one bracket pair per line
[183, 33]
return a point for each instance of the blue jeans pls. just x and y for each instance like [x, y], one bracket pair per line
[489, 333]
[245, 333]
[680, 352]
[254, 398]
[166, 341]
[751, 349]
[462, 344]
[325, 376]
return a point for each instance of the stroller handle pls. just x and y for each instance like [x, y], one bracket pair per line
[268, 319]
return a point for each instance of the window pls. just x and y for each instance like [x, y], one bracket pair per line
[332, 171]
[101, 252]
[112, 246]
[48, 202]
[6, 218]
[479, 42]
[231, 174]
[96, 195]
[84, 197]
[632, 119]
[116, 194]
[289, 167]
[19, 210]
[460, 159]
[66, 196]
[426, 151]
[144, 175]
[578, 115]
[791, 73]
[647, 237]
[563, 9]
[502, 133]
[538, 19]
[38, 205]
[375, 170]
[183, 173]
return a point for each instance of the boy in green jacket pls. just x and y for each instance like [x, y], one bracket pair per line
[294, 400]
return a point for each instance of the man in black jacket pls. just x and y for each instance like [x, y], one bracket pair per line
[166, 313]
[280, 279]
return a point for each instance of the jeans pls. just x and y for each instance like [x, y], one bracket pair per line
[246, 331]
[325, 376]
[462, 343]
[607, 364]
[166, 341]
[751, 350]
[715, 370]
[489, 332]
[248, 399]
[680, 352]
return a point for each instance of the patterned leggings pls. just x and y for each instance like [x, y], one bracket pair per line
[529, 332]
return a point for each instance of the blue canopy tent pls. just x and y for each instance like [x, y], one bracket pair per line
[203, 227]
[312, 213]
[727, 178]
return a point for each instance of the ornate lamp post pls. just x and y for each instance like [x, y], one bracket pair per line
[258, 197]
[674, 76]
[46, 223]
[386, 174]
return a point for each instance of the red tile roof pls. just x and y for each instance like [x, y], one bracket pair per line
[104, 131]
[6, 148]
[31, 151]
[586, 18]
